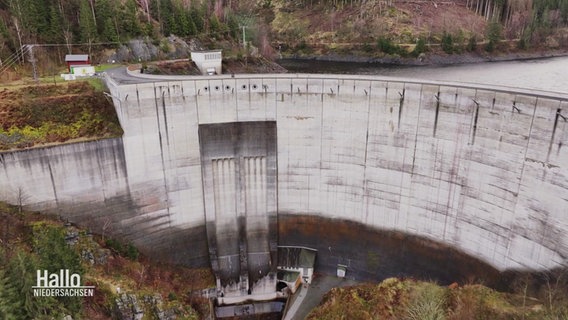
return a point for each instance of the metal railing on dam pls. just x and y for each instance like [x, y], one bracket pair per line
[368, 170]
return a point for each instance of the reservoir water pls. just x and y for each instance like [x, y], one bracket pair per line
[548, 74]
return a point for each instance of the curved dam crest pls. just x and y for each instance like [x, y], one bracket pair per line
[483, 170]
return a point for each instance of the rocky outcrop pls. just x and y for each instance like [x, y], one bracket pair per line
[138, 50]
[90, 251]
[129, 306]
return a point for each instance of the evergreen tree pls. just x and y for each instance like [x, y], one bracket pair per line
[55, 254]
[420, 47]
[6, 39]
[447, 43]
[87, 26]
[105, 12]
[233, 26]
[197, 17]
[34, 18]
[55, 25]
[109, 31]
[493, 35]
[214, 25]
[6, 308]
[192, 29]
[182, 23]
[129, 20]
[166, 18]
[17, 297]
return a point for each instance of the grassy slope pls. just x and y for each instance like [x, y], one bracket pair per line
[416, 300]
[50, 113]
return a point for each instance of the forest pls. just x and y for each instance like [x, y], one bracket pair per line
[67, 22]
[108, 22]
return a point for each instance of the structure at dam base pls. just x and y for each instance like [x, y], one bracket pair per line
[389, 177]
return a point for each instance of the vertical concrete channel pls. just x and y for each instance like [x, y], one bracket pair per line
[239, 182]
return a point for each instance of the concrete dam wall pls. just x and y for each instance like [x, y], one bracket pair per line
[219, 170]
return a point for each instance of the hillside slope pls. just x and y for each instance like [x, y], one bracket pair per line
[126, 284]
[376, 29]
[372, 28]
[44, 114]
[417, 300]
[404, 22]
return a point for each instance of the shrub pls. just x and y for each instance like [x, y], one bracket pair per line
[426, 309]
[420, 47]
[126, 250]
[472, 43]
[304, 47]
[131, 252]
[447, 43]
[387, 46]
[493, 35]
[428, 303]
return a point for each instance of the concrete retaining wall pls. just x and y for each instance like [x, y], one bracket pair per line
[481, 169]
[66, 175]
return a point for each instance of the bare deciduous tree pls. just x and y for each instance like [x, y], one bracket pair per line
[21, 198]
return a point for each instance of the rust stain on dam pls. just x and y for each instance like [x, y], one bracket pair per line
[387, 176]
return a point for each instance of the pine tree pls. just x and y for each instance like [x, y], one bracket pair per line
[104, 13]
[233, 26]
[34, 17]
[166, 17]
[192, 29]
[129, 19]
[55, 254]
[18, 301]
[214, 25]
[197, 17]
[109, 31]
[6, 308]
[55, 25]
[88, 29]
[493, 35]
[6, 39]
[182, 23]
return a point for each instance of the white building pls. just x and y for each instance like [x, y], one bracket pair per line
[208, 62]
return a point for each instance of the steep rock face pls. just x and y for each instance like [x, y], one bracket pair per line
[479, 169]
[171, 47]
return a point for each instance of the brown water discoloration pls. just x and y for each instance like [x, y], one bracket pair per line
[374, 254]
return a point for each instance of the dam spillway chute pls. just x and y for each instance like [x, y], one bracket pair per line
[239, 182]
